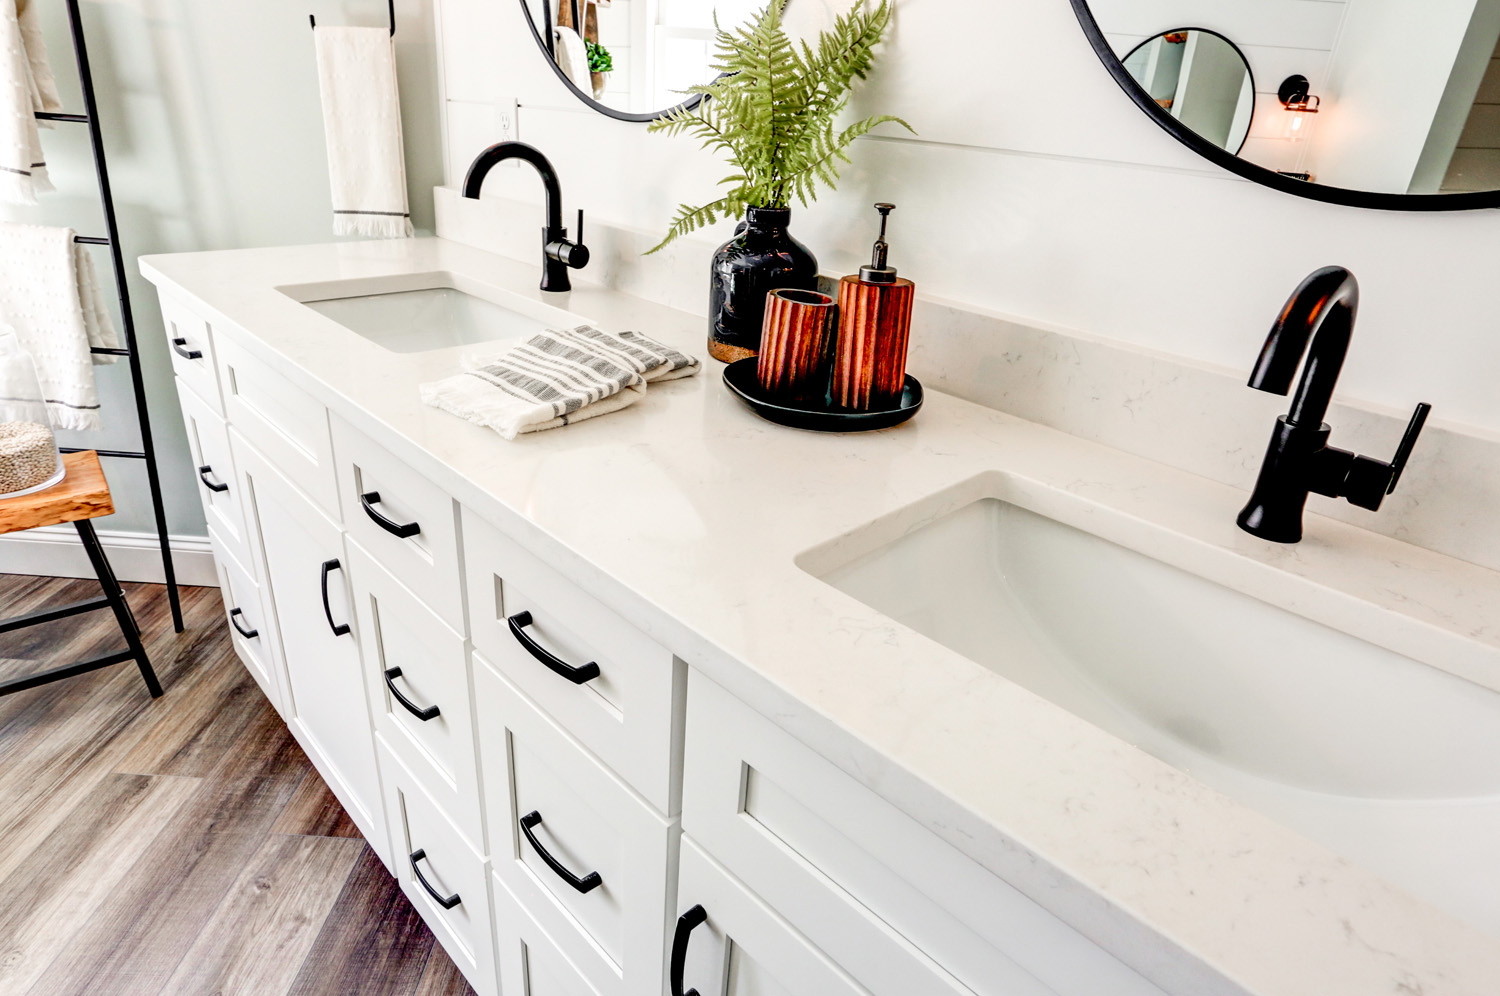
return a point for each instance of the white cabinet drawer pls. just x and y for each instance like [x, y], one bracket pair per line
[251, 626]
[283, 421]
[879, 893]
[445, 879]
[406, 521]
[611, 687]
[417, 677]
[192, 350]
[208, 444]
[729, 943]
[583, 854]
[530, 962]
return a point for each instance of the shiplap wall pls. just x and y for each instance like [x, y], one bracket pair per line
[1034, 189]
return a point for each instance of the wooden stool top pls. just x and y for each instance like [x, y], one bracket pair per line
[83, 493]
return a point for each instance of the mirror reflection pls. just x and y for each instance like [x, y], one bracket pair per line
[634, 57]
[1368, 95]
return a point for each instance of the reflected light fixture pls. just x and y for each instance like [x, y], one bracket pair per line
[1299, 103]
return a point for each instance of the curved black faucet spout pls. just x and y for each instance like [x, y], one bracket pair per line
[558, 254]
[1321, 311]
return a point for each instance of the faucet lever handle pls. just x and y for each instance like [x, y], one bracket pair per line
[578, 235]
[1408, 442]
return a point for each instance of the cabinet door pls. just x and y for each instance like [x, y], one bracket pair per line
[251, 627]
[307, 575]
[208, 444]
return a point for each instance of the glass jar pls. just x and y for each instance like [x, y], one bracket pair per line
[29, 460]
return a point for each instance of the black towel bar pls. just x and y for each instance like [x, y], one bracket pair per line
[390, 4]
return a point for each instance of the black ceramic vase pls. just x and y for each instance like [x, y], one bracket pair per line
[761, 257]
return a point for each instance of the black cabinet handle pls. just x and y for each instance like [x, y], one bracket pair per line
[588, 883]
[186, 354]
[215, 487]
[446, 902]
[234, 620]
[431, 712]
[577, 675]
[339, 629]
[680, 938]
[400, 530]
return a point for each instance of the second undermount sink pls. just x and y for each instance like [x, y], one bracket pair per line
[1392, 762]
[417, 313]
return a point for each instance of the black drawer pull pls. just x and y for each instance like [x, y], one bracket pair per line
[588, 883]
[214, 486]
[339, 629]
[446, 902]
[234, 620]
[431, 712]
[186, 354]
[577, 675]
[400, 530]
[680, 938]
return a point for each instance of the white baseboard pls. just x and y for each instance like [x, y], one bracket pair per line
[54, 551]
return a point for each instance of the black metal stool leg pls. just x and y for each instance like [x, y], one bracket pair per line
[116, 598]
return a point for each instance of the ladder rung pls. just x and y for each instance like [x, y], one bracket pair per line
[108, 351]
[124, 454]
[75, 118]
[91, 240]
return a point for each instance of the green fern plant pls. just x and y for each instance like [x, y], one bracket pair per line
[772, 109]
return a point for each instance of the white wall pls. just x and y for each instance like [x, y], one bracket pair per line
[215, 140]
[1035, 189]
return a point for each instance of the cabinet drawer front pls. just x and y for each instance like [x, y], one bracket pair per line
[251, 626]
[628, 713]
[447, 882]
[192, 350]
[383, 499]
[410, 653]
[213, 468]
[874, 889]
[606, 900]
[530, 963]
[283, 421]
[741, 946]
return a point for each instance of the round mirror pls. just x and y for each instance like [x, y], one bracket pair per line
[632, 59]
[1388, 105]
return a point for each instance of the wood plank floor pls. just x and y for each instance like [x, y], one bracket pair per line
[183, 846]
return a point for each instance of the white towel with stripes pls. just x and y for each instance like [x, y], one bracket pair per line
[26, 87]
[558, 378]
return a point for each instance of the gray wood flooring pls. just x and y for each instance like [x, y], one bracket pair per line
[182, 846]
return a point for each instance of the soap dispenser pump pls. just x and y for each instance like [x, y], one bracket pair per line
[875, 307]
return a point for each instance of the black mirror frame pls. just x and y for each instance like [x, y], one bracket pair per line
[1259, 174]
[1249, 73]
[588, 98]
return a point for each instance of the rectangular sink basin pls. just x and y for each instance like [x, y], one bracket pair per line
[1389, 761]
[418, 313]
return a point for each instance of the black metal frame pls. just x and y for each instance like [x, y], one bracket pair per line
[112, 599]
[1259, 174]
[147, 452]
[390, 9]
[1227, 41]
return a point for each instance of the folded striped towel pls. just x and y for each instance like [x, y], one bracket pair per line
[23, 92]
[558, 378]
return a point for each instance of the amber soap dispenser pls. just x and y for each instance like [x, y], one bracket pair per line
[869, 368]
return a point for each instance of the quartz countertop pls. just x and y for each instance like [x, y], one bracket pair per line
[1195, 891]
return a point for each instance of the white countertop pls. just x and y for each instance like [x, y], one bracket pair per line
[1196, 891]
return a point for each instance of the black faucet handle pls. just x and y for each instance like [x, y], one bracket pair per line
[1365, 480]
[578, 235]
[1408, 442]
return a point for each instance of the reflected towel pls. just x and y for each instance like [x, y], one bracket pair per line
[362, 122]
[573, 58]
[51, 296]
[23, 170]
[558, 378]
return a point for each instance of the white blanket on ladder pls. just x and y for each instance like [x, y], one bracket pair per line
[26, 87]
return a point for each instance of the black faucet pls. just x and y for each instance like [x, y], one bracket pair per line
[1299, 459]
[558, 254]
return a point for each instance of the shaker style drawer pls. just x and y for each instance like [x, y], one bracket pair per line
[192, 351]
[213, 469]
[443, 877]
[607, 684]
[580, 851]
[283, 421]
[530, 962]
[406, 521]
[251, 626]
[417, 677]
[870, 886]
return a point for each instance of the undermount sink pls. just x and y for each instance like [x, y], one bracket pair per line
[1389, 761]
[418, 313]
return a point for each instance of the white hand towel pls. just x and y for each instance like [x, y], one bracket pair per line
[50, 294]
[556, 379]
[44, 95]
[23, 170]
[573, 58]
[362, 120]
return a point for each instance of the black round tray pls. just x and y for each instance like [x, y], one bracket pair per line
[741, 380]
